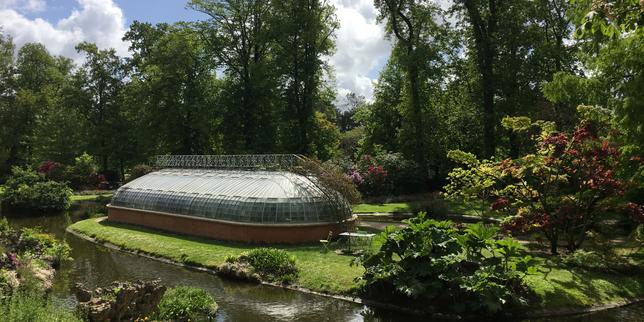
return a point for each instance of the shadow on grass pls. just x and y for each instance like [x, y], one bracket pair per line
[203, 240]
[581, 288]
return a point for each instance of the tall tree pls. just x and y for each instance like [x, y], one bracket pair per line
[239, 37]
[303, 33]
[177, 95]
[99, 82]
[7, 99]
[483, 19]
[412, 24]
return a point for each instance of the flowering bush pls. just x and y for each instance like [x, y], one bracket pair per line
[562, 190]
[52, 170]
[385, 173]
[369, 176]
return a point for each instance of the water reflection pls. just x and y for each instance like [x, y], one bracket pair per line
[97, 266]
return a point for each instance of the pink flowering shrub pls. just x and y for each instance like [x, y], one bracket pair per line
[370, 177]
[52, 170]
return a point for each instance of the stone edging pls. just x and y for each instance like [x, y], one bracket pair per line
[536, 314]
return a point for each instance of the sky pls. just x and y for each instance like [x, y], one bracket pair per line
[361, 47]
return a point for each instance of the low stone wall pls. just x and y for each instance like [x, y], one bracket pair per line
[241, 232]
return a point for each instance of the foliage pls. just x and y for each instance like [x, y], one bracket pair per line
[26, 189]
[607, 19]
[185, 303]
[43, 245]
[52, 170]
[386, 173]
[597, 261]
[274, 265]
[434, 264]
[138, 170]
[370, 176]
[34, 306]
[82, 174]
[561, 190]
[331, 178]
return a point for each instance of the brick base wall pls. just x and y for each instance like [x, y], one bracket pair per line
[288, 234]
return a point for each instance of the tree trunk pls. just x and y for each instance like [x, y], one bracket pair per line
[416, 113]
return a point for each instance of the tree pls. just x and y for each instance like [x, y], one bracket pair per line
[413, 27]
[303, 33]
[7, 104]
[483, 18]
[345, 113]
[98, 84]
[177, 95]
[563, 189]
[239, 38]
[612, 34]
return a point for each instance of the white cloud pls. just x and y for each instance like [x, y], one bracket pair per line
[24, 5]
[361, 48]
[98, 21]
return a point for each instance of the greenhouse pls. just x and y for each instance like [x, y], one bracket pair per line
[252, 198]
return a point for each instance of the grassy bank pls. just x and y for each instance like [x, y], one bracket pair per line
[383, 207]
[556, 286]
[322, 272]
[90, 197]
[456, 207]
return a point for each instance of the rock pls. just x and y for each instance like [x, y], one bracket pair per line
[121, 301]
[240, 271]
[82, 294]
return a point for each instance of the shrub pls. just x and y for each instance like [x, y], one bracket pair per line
[186, 304]
[330, 178]
[26, 189]
[52, 170]
[138, 170]
[435, 266]
[386, 173]
[273, 265]
[605, 262]
[83, 173]
[45, 245]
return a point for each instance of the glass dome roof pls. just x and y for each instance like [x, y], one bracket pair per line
[245, 196]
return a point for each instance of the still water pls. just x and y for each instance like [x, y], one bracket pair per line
[97, 266]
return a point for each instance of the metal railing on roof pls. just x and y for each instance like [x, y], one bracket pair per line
[243, 161]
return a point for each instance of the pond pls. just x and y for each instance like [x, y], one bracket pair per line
[97, 266]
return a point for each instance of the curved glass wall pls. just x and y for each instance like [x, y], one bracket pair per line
[263, 197]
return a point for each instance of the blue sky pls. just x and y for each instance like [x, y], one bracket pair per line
[60, 24]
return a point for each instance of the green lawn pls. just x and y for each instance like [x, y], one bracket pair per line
[323, 272]
[385, 207]
[89, 197]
